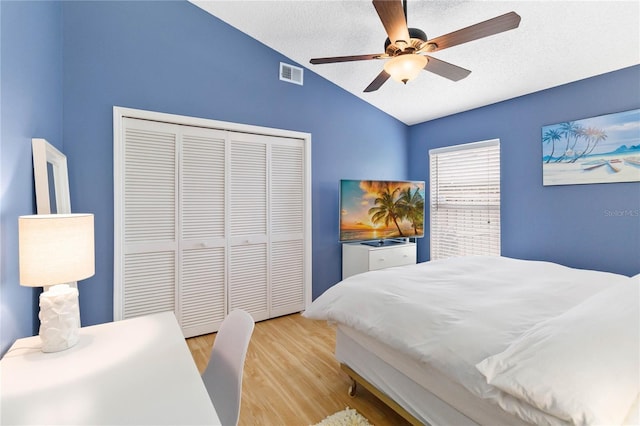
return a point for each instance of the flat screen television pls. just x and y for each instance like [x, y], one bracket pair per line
[379, 212]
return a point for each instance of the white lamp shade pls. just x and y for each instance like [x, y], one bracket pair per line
[55, 249]
[405, 67]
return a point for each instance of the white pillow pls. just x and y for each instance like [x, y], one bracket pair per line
[581, 366]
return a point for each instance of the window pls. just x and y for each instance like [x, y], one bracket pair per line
[465, 200]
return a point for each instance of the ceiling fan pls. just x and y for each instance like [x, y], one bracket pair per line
[407, 48]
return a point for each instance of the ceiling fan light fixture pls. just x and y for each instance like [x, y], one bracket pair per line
[405, 67]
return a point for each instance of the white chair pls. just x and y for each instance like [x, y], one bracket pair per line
[223, 375]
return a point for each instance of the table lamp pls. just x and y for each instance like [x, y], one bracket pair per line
[54, 250]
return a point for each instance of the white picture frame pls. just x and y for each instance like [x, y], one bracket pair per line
[49, 164]
[51, 180]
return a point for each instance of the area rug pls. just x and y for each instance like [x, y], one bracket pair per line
[346, 417]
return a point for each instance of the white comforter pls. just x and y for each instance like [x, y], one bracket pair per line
[457, 312]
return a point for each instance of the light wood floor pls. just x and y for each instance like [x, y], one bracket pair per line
[291, 376]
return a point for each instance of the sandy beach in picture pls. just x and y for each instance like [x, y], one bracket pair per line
[597, 169]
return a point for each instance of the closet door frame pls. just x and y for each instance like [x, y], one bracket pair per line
[120, 113]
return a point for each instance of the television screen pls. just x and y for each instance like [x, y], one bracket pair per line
[379, 210]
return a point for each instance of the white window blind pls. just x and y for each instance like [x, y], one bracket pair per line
[465, 200]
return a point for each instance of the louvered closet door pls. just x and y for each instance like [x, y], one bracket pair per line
[248, 257]
[150, 210]
[207, 220]
[287, 227]
[201, 294]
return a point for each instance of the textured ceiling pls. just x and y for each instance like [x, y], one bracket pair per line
[557, 42]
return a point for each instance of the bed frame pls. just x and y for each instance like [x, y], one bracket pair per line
[418, 393]
[356, 378]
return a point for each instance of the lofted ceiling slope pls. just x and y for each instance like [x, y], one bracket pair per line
[557, 42]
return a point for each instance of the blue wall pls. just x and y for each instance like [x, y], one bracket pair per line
[572, 225]
[64, 65]
[175, 58]
[31, 88]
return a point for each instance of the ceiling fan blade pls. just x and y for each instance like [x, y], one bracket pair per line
[378, 81]
[445, 69]
[391, 14]
[496, 25]
[316, 61]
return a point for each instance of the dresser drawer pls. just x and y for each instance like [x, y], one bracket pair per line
[393, 256]
[358, 258]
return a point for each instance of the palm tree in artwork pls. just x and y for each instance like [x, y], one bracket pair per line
[386, 210]
[579, 133]
[597, 135]
[411, 207]
[551, 136]
[568, 129]
[593, 136]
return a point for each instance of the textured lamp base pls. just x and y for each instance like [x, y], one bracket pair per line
[59, 318]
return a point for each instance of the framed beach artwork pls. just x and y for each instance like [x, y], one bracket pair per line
[602, 149]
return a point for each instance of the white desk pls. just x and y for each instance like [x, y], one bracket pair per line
[131, 372]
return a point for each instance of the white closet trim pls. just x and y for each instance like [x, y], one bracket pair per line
[121, 112]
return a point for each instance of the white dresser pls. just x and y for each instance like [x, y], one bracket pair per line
[358, 258]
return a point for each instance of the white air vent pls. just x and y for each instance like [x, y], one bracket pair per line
[290, 73]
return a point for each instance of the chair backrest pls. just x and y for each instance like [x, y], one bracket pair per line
[223, 375]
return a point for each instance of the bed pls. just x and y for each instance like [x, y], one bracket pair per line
[491, 340]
